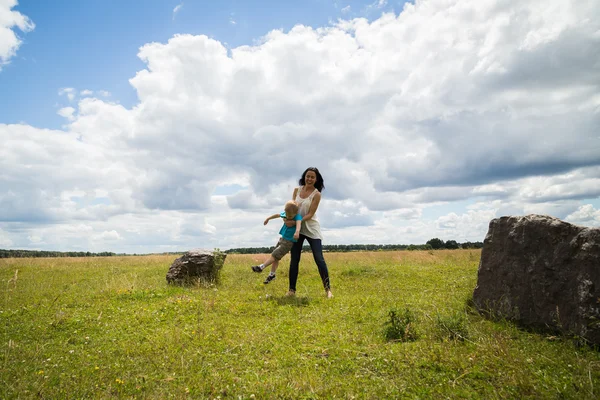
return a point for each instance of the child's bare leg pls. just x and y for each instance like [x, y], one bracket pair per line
[274, 266]
[271, 276]
[261, 267]
[269, 261]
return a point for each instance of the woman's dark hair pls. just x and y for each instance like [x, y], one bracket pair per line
[319, 184]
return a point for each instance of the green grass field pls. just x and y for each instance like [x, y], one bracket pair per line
[112, 327]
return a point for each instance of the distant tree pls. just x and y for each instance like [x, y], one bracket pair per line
[436, 243]
[451, 244]
[472, 245]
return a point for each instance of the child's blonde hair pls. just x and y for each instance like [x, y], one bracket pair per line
[291, 207]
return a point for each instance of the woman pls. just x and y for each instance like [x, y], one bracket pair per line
[308, 197]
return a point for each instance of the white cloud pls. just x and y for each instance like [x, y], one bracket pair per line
[177, 9]
[586, 215]
[5, 240]
[9, 40]
[108, 236]
[490, 107]
[346, 9]
[67, 112]
[461, 227]
[246, 199]
[86, 93]
[377, 5]
[35, 239]
[69, 92]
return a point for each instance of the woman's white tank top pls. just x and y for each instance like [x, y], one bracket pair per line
[310, 228]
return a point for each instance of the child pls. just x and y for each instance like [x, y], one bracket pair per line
[289, 235]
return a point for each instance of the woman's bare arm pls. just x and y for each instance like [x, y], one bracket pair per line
[313, 207]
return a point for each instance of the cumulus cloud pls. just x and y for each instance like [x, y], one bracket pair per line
[41, 167]
[377, 5]
[5, 240]
[246, 199]
[490, 100]
[67, 112]
[346, 213]
[464, 226]
[9, 20]
[69, 92]
[177, 9]
[108, 235]
[586, 215]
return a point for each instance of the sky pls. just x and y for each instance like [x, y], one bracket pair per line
[160, 126]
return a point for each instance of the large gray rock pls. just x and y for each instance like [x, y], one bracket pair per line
[542, 273]
[196, 264]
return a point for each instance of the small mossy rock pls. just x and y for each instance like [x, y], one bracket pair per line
[196, 265]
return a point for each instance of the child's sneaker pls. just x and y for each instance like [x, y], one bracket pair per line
[269, 279]
[256, 268]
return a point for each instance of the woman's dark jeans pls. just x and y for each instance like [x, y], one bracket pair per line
[317, 250]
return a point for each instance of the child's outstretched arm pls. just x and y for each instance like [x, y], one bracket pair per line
[274, 216]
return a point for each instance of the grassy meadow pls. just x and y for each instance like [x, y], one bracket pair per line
[398, 327]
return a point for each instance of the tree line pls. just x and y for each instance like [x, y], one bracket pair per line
[432, 244]
[42, 253]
